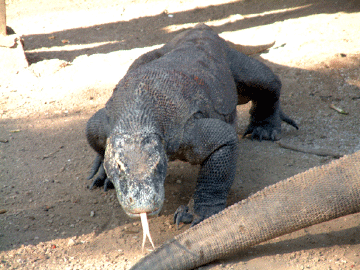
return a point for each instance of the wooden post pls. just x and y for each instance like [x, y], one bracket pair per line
[2, 18]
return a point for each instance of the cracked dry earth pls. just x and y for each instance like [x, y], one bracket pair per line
[78, 50]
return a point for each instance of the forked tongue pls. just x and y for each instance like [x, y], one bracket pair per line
[146, 232]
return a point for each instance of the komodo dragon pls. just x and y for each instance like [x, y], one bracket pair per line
[179, 102]
[317, 195]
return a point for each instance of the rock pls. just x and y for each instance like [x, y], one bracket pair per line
[71, 242]
[12, 56]
[47, 67]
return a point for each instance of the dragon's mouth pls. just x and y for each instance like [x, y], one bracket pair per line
[137, 214]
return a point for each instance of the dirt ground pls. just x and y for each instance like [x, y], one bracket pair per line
[78, 50]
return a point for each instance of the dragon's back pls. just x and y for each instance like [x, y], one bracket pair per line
[193, 78]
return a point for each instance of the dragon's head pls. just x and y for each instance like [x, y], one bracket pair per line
[136, 164]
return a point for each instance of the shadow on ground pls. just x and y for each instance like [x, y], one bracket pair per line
[126, 35]
[46, 160]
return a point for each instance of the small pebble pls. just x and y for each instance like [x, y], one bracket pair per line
[71, 242]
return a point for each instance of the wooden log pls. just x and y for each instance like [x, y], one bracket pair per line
[2, 18]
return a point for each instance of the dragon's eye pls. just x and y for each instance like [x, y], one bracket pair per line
[146, 140]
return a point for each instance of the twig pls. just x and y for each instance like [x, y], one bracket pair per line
[51, 154]
[319, 152]
[339, 110]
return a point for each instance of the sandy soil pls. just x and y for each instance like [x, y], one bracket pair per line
[78, 51]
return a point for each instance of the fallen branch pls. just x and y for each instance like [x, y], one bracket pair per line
[318, 152]
[51, 154]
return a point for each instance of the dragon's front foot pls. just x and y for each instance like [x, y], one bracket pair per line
[101, 179]
[268, 128]
[182, 214]
[263, 132]
[186, 214]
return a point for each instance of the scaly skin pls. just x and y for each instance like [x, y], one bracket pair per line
[179, 102]
[317, 195]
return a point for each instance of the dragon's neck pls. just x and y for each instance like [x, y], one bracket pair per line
[137, 118]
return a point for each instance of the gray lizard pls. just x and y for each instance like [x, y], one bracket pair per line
[179, 102]
[317, 195]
